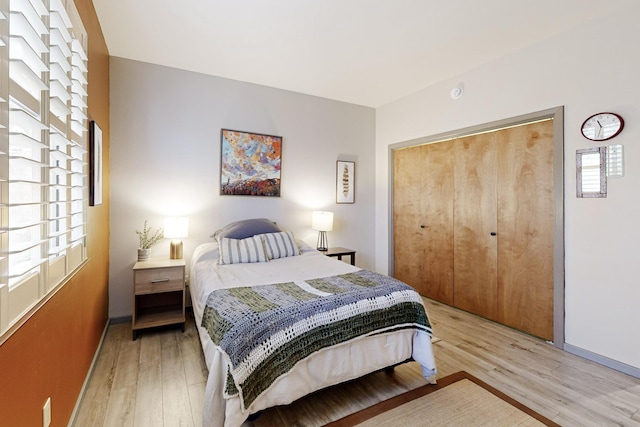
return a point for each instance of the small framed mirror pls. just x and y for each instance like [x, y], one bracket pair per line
[591, 177]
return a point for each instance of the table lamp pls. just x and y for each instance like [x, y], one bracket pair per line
[176, 229]
[322, 221]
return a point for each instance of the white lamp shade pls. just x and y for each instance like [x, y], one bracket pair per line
[176, 228]
[322, 221]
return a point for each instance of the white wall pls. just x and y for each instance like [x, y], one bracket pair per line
[591, 68]
[165, 161]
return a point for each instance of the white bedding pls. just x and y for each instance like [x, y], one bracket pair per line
[324, 368]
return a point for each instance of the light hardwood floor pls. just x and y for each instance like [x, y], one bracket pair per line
[158, 380]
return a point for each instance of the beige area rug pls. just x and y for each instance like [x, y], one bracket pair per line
[457, 400]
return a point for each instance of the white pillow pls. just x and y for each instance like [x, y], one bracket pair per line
[280, 245]
[235, 251]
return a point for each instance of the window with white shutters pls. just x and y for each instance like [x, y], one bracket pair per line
[43, 151]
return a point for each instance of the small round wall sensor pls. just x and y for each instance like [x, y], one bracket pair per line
[457, 91]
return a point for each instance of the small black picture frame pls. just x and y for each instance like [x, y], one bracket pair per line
[95, 164]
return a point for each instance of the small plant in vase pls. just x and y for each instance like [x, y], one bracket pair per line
[147, 240]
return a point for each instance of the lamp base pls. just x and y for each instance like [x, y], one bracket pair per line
[322, 241]
[175, 251]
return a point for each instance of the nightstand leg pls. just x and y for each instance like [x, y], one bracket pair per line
[135, 335]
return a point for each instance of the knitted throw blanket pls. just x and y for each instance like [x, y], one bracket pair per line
[265, 330]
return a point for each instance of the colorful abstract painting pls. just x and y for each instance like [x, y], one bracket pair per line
[250, 164]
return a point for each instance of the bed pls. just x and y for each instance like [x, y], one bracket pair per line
[272, 316]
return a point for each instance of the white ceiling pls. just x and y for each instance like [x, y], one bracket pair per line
[366, 52]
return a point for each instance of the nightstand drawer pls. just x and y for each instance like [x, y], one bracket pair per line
[155, 280]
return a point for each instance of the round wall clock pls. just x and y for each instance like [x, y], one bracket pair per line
[602, 126]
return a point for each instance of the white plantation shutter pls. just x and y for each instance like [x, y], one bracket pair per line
[27, 154]
[615, 165]
[43, 170]
[78, 149]
[591, 173]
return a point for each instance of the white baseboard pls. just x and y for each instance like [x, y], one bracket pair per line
[74, 414]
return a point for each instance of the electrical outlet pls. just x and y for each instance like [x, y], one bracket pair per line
[46, 413]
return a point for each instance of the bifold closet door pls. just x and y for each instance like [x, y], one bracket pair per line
[423, 219]
[525, 228]
[475, 228]
[474, 224]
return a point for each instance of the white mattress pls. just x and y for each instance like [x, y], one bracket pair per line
[322, 369]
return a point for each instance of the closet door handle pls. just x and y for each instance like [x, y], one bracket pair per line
[493, 233]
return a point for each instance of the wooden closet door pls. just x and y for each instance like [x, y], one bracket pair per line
[408, 250]
[423, 219]
[526, 227]
[475, 225]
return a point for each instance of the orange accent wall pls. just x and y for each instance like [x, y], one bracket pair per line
[50, 355]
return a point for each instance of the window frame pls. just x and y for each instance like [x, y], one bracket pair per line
[50, 150]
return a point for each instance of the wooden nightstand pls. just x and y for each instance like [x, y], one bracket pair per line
[158, 293]
[339, 252]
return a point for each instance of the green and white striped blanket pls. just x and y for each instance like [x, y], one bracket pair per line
[265, 330]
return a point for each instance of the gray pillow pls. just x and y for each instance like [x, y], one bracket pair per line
[235, 251]
[280, 245]
[246, 228]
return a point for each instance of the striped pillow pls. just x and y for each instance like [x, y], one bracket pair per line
[235, 251]
[280, 245]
